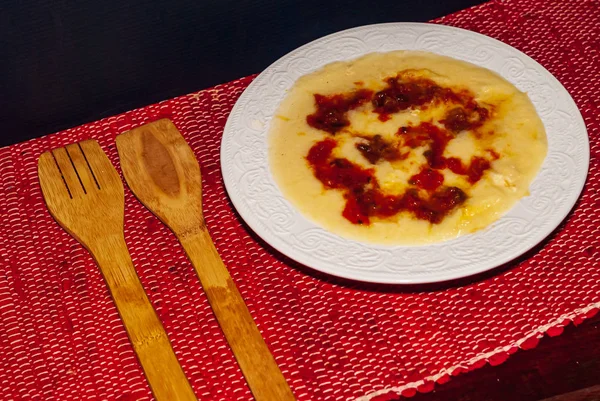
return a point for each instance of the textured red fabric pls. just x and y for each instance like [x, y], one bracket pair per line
[61, 337]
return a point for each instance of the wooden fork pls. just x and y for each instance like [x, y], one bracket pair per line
[84, 193]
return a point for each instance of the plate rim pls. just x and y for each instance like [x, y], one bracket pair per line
[362, 276]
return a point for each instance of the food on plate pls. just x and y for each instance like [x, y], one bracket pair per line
[405, 147]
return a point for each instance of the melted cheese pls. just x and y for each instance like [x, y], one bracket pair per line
[515, 132]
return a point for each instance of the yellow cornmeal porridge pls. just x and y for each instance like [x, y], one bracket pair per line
[405, 147]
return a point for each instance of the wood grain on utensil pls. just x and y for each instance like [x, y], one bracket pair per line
[84, 193]
[163, 173]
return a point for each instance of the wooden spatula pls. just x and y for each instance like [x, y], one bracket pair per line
[84, 193]
[162, 171]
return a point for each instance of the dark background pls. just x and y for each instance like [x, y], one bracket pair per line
[65, 63]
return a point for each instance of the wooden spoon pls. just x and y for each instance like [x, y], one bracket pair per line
[163, 173]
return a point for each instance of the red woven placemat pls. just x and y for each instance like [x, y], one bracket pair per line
[61, 338]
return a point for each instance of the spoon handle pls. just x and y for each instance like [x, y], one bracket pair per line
[256, 362]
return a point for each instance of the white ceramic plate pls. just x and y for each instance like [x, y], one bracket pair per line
[245, 165]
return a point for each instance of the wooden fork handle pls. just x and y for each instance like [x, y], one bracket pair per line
[148, 337]
[256, 362]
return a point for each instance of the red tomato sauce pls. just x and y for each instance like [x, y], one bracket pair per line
[402, 94]
[377, 148]
[365, 200]
[427, 198]
[331, 114]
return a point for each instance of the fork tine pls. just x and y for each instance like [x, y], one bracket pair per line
[68, 172]
[105, 173]
[51, 180]
[83, 169]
